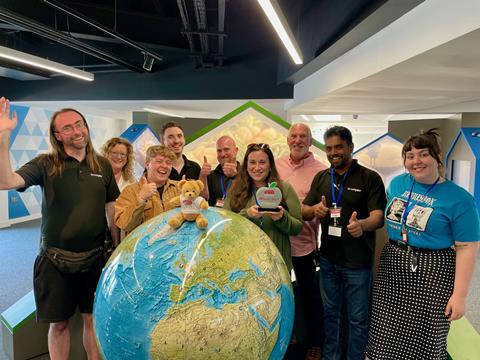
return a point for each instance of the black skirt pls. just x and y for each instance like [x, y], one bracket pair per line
[408, 307]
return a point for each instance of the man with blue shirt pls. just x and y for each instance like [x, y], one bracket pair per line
[349, 200]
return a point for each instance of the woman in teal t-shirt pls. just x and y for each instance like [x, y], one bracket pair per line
[426, 268]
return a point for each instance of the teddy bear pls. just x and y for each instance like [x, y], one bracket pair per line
[191, 203]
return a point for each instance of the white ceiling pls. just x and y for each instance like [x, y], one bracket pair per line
[444, 79]
[428, 61]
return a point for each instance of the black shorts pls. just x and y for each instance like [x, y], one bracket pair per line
[57, 295]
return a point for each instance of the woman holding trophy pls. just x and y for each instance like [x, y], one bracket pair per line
[258, 194]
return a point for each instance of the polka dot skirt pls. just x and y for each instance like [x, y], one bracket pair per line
[407, 319]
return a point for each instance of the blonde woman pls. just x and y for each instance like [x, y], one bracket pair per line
[119, 153]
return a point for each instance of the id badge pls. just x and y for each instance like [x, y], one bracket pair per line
[414, 263]
[335, 212]
[335, 231]
[220, 203]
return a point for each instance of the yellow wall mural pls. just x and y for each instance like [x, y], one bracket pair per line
[249, 126]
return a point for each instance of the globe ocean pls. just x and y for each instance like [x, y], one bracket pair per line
[219, 293]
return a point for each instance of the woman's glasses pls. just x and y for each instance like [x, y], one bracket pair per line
[117, 154]
[259, 146]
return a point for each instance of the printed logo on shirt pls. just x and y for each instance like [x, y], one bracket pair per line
[354, 189]
[420, 198]
[417, 218]
[395, 210]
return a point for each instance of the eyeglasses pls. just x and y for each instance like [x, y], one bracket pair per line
[67, 130]
[117, 154]
[259, 146]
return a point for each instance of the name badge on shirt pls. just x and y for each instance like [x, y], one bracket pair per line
[220, 203]
[335, 212]
[335, 231]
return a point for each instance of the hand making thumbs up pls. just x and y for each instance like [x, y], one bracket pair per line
[354, 226]
[146, 192]
[206, 168]
[230, 169]
[321, 209]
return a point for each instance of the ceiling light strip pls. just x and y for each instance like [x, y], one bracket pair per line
[35, 61]
[161, 112]
[280, 24]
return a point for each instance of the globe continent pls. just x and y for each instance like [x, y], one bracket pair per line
[219, 293]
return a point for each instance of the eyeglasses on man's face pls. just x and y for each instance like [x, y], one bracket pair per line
[259, 146]
[68, 129]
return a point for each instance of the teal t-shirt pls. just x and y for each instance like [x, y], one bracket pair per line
[436, 217]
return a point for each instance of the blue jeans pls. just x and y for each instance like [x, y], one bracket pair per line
[353, 285]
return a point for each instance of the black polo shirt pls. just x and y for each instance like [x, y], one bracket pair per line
[190, 169]
[363, 192]
[73, 204]
[214, 181]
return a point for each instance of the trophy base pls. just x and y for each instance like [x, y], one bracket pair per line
[260, 209]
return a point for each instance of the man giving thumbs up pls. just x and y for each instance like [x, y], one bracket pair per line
[354, 226]
[349, 200]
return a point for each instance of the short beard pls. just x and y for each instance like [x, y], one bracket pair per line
[343, 162]
[80, 147]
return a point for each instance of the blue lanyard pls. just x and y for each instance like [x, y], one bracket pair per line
[222, 186]
[407, 205]
[336, 200]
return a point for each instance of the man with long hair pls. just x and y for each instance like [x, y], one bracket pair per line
[79, 188]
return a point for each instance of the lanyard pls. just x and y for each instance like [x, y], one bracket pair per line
[336, 200]
[252, 189]
[222, 186]
[407, 205]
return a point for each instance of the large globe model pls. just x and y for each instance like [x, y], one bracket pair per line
[219, 293]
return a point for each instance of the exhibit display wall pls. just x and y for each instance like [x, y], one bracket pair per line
[250, 123]
[30, 138]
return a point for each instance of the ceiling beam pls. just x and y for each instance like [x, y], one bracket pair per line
[221, 28]
[59, 37]
[201, 17]
[182, 8]
[105, 39]
[74, 13]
